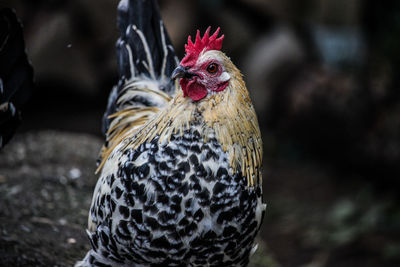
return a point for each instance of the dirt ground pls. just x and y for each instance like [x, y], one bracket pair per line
[313, 217]
[46, 183]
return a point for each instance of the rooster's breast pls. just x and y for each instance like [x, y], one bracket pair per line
[177, 201]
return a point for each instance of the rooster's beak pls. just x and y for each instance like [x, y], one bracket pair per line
[182, 72]
[179, 72]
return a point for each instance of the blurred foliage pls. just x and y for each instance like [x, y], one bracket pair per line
[350, 218]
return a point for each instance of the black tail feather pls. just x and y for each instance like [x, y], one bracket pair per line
[16, 74]
[142, 29]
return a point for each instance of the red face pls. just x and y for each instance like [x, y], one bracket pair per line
[204, 77]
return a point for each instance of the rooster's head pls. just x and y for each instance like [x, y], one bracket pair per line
[205, 69]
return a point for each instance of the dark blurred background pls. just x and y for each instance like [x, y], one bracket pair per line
[324, 79]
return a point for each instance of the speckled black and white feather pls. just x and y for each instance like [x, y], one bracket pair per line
[173, 203]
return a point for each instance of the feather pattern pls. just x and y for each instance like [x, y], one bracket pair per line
[230, 115]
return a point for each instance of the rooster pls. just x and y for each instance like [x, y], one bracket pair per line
[180, 172]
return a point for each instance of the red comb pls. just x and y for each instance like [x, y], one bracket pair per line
[206, 43]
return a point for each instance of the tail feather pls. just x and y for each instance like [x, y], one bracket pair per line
[16, 74]
[144, 47]
[146, 60]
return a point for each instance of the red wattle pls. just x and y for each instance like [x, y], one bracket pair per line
[193, 89]
[197, 91]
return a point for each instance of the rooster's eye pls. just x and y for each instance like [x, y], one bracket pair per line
[212, 68]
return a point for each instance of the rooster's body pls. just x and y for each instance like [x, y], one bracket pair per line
[180, 181]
